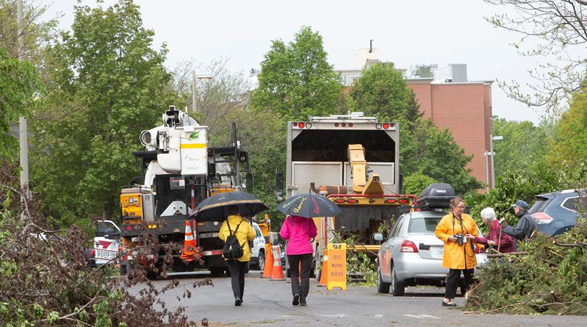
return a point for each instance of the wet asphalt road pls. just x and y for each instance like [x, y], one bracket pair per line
[268, 303]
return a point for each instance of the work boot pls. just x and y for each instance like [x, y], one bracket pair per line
[296, 299]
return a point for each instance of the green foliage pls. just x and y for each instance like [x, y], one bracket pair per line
[416, 183]
[522, 144]
[550, 279]
[383, 92]
[296, 81]
[108, 85]
[568, 147]
[19, 84]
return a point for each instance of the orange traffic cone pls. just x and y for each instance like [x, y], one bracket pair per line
[277, 272]
[189, 245]
[324, 272]
[268, 269]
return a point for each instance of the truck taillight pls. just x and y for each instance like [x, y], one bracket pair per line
[542, 218]
[301, 124]
[390, 201]
[408, 246]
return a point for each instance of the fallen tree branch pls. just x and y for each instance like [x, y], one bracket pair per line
[500, 255]
[570, 245]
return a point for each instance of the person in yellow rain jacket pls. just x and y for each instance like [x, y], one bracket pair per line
[238, 267]
[457, 230]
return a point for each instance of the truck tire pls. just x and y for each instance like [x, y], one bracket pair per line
[397, 288]
[382, 287]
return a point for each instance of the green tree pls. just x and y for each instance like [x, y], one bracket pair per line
[35, 33]
[19, 83]
[522, 144]
[296, 80]
[108, 85]
[568, 147]
[382, 91]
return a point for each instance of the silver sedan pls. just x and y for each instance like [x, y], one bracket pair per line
[412, 255]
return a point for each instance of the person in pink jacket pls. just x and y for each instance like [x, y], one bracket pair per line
[298, 231]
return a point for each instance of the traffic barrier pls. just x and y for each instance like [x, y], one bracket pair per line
[268, 269]
[277, 273]
[189, 245]
[324, 272]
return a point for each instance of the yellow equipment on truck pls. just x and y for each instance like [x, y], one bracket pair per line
[180, 170]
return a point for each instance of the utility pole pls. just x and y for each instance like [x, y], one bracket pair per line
[23, 129]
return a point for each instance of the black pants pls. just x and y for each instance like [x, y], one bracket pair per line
[453, 281]
[237, 276]
[294, 268]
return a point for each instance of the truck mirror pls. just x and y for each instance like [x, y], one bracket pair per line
[110, 233]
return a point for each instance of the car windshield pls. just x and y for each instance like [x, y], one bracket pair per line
[423, 225]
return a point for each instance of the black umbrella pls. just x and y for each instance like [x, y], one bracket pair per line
[215, 207]
[308, 206]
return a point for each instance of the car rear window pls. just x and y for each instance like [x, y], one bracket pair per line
[571, 203]
[423, 225]
[539, 205]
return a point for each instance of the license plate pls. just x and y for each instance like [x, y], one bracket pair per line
[105, 255]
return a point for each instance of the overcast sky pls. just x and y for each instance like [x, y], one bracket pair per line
[407, 33]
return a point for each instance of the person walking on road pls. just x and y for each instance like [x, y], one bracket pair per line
[239, 226]
[526, 224]
[457, 230]
[496, 239]
[298, 231]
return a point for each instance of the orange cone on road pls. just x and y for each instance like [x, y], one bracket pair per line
[277, 272]
[189, 245]
[268, 269]
[324, 272]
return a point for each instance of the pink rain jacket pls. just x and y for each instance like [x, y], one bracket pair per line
[298, 231]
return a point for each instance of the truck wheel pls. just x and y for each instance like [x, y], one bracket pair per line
[261, 261]
[382, 287]
[397, 288]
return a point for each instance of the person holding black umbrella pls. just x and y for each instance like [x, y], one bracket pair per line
[239, 226]
[298, 231]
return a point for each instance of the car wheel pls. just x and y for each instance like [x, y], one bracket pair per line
[261, 261]
[397, 287]
[382, 287]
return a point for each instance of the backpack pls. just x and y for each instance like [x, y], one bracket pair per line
[232, 249]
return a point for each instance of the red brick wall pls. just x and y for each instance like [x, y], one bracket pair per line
[463, 108]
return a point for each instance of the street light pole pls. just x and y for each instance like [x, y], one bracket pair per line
[23, 128]
[487, 170]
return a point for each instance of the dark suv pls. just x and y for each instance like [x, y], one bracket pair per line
[557, 212]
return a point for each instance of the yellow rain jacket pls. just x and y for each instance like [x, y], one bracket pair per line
[456, 256]
[244, 234]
